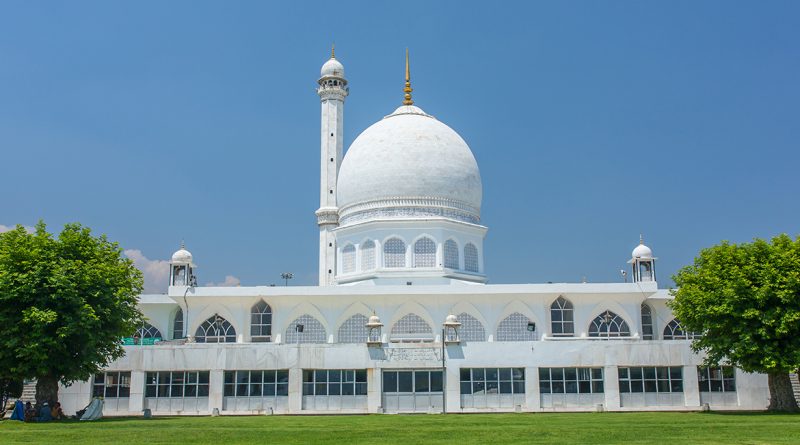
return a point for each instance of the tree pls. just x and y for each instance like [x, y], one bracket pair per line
[65, 304]
[745, 300]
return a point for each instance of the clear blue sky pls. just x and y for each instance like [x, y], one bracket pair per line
[154, 122]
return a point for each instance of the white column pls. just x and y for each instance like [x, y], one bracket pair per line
[533, 399]
[295, 389]
[374, 390]
[611, 386]
[216, 388]
[691, 387]
[453, 389]
[136, 401]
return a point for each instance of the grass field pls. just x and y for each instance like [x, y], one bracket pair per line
[583, 428]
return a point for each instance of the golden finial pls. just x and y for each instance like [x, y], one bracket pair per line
[333, 50]
[407, 89]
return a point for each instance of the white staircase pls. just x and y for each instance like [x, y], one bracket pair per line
[29, 391]
[795, 386]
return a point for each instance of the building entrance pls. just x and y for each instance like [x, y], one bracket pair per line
[410, 391]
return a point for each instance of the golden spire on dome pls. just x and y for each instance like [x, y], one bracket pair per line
[333, 50]
[407, 89]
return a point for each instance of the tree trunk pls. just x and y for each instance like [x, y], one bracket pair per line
[781, 396]
[47, 390]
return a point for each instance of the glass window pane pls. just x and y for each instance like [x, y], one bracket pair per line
[268, 389]
[570, 374]
[321, 389]
[597, 387]
[335, 389]
[404, 381]
[390, 381]
[361, 389]
[361, 375]
[282, 389]
[308, 389]
[465, 374]
[505, 388]
[320, 376]
[421, 381]
[505, 374]
[492, 374]
[436, 381]
[466, 388]
[348, 388]
[519, 387]
[335, 375]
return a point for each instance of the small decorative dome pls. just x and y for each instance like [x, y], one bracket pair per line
[374, 320]
[642, 251]
[182, 256]
[409, 164]
[332, 68]
[451, 319]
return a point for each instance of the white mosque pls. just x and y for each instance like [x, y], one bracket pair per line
[402, 319]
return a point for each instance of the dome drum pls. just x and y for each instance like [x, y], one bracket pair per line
[408, 208]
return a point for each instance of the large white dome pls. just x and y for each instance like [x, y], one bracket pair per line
[409, 164]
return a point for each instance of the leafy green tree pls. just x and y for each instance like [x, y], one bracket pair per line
[65, 304]
[745, 300]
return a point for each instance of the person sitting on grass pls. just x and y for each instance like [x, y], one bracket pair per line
[56, 413]
[44, 413]
[30, 413]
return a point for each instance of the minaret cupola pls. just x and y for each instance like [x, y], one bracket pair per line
[643, 263]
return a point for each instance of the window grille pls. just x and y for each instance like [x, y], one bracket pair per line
[148, 331]
[368, 255]
[261, 322]
[313, 331]
[647, 322]
[394, 253]
[471, 258]
[451, 254]
[717, 379]
[177, 325]
[471, 328]
[112, 385]
[215, 330]
[516, 327]
[609, 324]
[571, 380]
[411, 328]
[334, 382]
[674, 331]
[562, 318]
[424, 253]
[354, 330]
[257, 383]
[176, 384]
[349, 259]
[659, 379]
[482, 381]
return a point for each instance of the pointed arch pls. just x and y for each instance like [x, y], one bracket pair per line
[148, 331]
[451, 254]
[367, 255]
[516, 327]
[306, 329]
[353, 330]
[609, 324]
[471, 328]
[647, 322]
[394, 253]
[424, 252]
[348, 259]
[562, 318]
[215, 329]
[411, 328]
[261, 322]
[674, 331]
[471, 263]
[290, 319]
[177, 324]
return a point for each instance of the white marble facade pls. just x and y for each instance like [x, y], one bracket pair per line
[401, 249]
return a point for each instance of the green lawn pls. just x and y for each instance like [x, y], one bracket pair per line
[583, 428]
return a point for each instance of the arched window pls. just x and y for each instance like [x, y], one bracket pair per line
[674, 331]
[306, 329]
[177, 324]
[424, 253]
[349, 259]
[353, 330]
[261, 322]
[647, 322]
[450, 254]
[148, 331]
[394, 253]
[411, 328]
[516, 327]
[471, 328]
[368, 255]
[562, 322]
[215, 330]
[609, 324]
[471, 258]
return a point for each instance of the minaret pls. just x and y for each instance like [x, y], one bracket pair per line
[332, 91]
